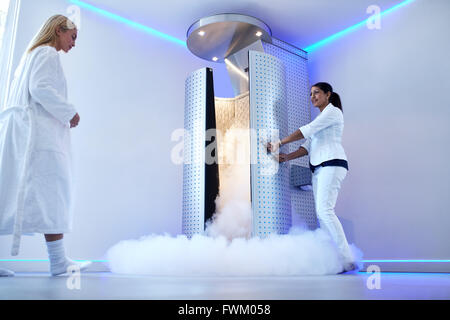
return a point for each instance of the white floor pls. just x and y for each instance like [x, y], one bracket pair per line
[105, 286]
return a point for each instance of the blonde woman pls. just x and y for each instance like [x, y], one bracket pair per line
[35, 157]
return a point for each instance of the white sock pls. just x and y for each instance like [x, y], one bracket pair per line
[6, 273]
[58, 260]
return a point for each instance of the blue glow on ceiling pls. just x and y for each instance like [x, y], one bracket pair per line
[183, 43]
[352, 28]
[126, 21]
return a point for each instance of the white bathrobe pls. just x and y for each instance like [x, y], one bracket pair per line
[35, 157]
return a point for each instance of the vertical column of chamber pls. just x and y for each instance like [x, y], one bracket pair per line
[298, 107]
[268, 120]
[194, 153]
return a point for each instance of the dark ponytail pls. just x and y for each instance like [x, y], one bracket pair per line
[334, 99]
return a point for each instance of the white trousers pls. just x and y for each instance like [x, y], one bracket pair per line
[326, 183]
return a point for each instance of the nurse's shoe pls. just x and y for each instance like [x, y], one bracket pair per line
[349, 267]
[6, 273]
[68, 266]
[352, 266]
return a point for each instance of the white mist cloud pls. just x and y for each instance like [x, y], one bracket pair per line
[301, 252]
[233, 217]
[226, 248]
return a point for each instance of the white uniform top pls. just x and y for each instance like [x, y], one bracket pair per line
[324, 136]
[35, 155]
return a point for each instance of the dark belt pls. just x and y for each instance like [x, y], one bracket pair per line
[330, 163]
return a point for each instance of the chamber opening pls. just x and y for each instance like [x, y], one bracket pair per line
[233, 204]
[222, 82]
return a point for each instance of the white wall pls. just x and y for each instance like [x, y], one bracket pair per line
[128, 87]
[394, 85]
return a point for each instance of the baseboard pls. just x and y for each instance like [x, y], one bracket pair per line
[43, 266]
[408, 266]
[101, 266]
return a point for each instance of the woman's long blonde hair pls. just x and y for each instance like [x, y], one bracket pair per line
[47, 33]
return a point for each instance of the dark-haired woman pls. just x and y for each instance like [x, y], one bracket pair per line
[328, 162]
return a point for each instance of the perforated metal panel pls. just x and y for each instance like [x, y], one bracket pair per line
[194, 153]
[300, 176]
[289, 47]
[303, 205]
[299, 114]
[297, 93]
[268, 114]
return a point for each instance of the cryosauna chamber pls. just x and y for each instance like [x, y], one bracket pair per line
[270, 83]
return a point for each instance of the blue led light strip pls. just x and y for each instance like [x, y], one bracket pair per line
[352, 28]
[393, 260]
[365, 261]
[43, 260]
[129, 22]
